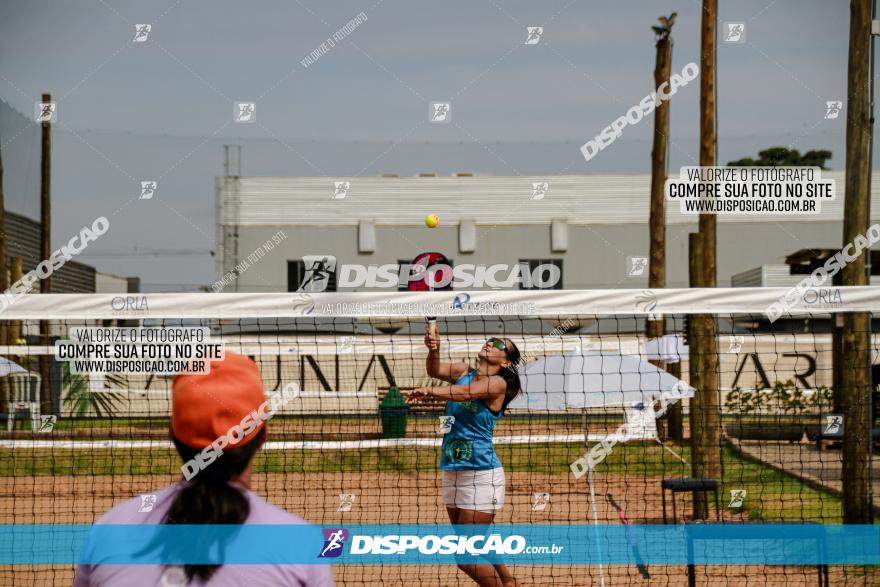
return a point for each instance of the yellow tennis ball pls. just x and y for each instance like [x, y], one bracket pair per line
[432, 220]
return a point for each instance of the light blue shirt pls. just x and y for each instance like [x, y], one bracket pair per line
[468, 444]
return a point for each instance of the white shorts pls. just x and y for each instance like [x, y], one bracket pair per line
[469, 489]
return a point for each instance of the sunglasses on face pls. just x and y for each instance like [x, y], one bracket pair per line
[497, 343]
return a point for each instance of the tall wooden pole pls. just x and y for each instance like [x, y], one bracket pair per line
[4, 285]
[706, 419]
[657, 222]
[855, 374]
[708, 138]
[45, 251]
[696, 365]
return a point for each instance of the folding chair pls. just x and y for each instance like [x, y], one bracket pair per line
[24, 395]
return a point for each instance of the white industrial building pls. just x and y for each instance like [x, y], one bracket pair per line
[591, 226]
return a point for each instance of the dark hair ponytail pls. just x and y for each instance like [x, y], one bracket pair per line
[511, 374]
[209, 498]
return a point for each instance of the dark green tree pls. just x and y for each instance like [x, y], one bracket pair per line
[785, 157]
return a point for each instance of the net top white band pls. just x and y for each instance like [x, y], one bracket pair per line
[644, 302]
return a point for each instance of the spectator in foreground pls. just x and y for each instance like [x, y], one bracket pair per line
[204, 408]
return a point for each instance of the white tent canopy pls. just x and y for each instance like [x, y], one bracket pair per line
[669, 348]
[8, 367]
[594, 380]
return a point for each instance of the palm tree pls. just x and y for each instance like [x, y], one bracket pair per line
[81, 400]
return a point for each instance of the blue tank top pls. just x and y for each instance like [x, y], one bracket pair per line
[468, 444]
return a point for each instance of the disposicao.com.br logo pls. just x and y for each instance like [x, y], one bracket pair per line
[431, 544]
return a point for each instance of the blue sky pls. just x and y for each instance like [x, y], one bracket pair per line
[163, 108]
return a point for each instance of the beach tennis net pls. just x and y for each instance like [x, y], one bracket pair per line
[608, 420]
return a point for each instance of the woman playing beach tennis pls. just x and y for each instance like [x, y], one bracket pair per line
[473, 479]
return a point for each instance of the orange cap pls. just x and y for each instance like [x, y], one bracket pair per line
[206, 407]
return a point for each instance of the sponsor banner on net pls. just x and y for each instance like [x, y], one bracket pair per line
[392, 544]
[124, 350]
[750, 190]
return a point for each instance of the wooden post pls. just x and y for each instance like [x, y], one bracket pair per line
[657, 222]
[708, 138]
[706, 419]
[15, 325]
[855, 373]
[695, 365]
[45, 252]
[4, 285]
[4, 255]
[675, 412]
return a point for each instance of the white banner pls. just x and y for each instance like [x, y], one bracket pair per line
[656, 302]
